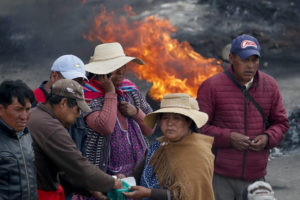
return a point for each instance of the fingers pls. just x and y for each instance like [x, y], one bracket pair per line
[120, 176]
[129, 194]
[118, 184]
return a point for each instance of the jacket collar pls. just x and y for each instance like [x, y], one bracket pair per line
[44, 108]
[10, 132]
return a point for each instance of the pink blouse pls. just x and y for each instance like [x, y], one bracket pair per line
[103, 121]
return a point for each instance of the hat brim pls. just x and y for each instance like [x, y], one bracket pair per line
[83, 106]
[200, 118]
[110, 65]
[73, 75]
[249, 52]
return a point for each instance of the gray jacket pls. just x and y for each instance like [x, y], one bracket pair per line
[17, 170]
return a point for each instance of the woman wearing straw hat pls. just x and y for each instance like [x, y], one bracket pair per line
[116, 129]
[179, 165]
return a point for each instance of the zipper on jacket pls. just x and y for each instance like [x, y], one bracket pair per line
[245, 133]
[26, 170]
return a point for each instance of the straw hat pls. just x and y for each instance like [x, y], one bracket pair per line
[178, 103]
[109, 57]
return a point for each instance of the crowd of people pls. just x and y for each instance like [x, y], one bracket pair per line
[83, 130]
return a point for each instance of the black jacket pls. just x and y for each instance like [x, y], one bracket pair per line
[17, 170]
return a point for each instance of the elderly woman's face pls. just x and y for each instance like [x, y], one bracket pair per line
[175, 126]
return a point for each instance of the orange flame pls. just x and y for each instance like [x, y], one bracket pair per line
[171, 66]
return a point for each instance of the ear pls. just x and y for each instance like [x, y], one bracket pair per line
[63, 103]
[54, 77]
[1, 110]
[231, 58]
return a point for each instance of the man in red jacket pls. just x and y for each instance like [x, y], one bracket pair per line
[246, 118]
[66, 66]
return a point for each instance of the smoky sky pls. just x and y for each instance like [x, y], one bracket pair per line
[49, 28]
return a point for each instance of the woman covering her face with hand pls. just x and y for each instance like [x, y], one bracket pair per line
[179, 165]
[116, 129]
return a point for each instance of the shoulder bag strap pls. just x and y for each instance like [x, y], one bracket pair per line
[247, 95]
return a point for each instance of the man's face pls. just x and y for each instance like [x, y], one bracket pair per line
[244, 70]
[67, 115]
[15, 115]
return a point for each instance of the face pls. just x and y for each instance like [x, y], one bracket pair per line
[55, 76]
[79, 80]
[244, 70]
[66, 114]
[175, 126]
[15, 115]
[118, 76]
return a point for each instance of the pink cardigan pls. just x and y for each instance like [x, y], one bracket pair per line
[104, 120]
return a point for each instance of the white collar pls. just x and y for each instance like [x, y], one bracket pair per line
[248, 85]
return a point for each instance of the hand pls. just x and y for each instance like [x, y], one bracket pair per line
[118, 184]
[98, 195]
[120, 176]
[239, 141]
[127, 109]
[106, 83]
[139, 192]
[259, 142]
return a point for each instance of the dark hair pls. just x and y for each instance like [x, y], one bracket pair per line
[90, 75]
[53, 99]
[18, 89]
[193, 125]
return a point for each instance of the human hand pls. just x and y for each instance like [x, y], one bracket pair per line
[120, 176]
[127, 109]
[259, 142]
[99, 195]
[139, 192]
[106, 83]
[118, 184]
[239, 141]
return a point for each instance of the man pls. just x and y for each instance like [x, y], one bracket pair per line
[68, 67]
[237, 123]
[54, 149]
[17, 171]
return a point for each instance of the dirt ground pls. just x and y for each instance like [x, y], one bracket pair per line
[284, 176]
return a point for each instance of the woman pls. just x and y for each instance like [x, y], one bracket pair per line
[179, 165]
[116, 129]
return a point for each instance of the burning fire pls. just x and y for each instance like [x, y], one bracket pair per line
[171, 66]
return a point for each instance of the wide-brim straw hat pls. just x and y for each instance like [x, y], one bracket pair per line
[109, 57]
[179, 103]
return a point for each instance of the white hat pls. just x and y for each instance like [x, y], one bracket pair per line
[69, 66]
[109, 57]
[178, 103]
[260, 190]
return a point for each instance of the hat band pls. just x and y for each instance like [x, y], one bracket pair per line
[93, 60]
[176, 106]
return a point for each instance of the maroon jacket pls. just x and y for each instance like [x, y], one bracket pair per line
[229, 111]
